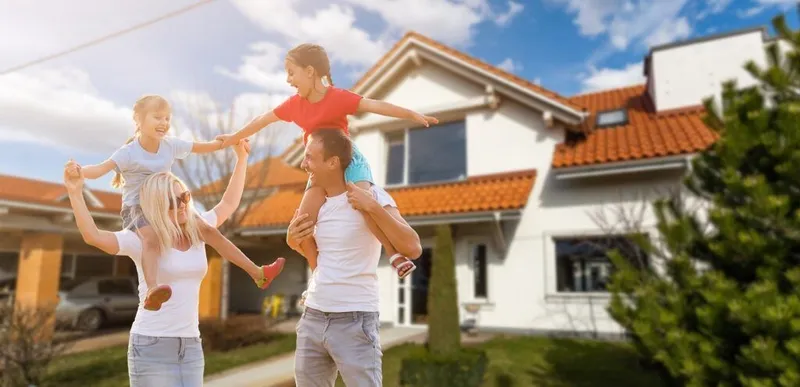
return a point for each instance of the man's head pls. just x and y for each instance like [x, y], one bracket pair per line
[328, 153]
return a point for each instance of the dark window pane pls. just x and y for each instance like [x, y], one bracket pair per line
[438, 153]
[395, 163]
[479, 265]
[582, 264]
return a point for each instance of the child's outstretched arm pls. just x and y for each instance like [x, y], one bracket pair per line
[367, 105]
[206, 146]
[252, 127]
[98, 170]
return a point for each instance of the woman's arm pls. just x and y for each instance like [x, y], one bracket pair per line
[103, 240]
[233, 193]
[206, 146]
[367, 105]
[98, 170]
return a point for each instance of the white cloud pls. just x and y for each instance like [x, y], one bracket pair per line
[263, 68]
[510, 65]
[766, 4]
[504, 18]
[61, 108]
[625, 21]
[668, 31]
[713, 7]
[608, 78]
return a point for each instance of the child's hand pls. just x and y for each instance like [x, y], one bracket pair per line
[424, 120]
[226, 140]
[73, 176]
[360, 199]
[242, 149]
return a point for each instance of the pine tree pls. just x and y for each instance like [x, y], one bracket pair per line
[725, 310]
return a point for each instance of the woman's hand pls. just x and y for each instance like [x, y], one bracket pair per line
[242, 149]
[73, 176]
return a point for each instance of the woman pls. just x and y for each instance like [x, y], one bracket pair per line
[165, 347]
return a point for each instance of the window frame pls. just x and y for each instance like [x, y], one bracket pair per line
[404, 132]
[625, 118]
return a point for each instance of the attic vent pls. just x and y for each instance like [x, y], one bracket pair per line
[612, 118]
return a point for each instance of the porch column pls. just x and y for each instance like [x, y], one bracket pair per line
[39, 273]
[122, 266]
[211, 287]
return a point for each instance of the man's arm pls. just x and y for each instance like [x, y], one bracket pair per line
[400, 234]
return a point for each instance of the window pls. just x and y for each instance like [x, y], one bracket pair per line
[424, 155]
[582, 264]
[396, 160]
[612, 118]
[480, 270]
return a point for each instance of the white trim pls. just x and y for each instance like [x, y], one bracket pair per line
[659, 164]
[44, 207]
[430, 53]
[426, 243]
[88, 194]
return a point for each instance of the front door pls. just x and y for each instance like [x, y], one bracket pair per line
[412, 292]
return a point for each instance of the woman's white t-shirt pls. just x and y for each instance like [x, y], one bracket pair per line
[183, 271]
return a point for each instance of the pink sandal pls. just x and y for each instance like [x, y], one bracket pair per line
[404, 267]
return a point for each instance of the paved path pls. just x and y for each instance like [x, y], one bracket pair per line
[280, 370]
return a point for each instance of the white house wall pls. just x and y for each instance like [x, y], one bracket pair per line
[687, 74]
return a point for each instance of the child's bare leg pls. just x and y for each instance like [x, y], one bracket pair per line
[156, 295]
[312, 201]
[263, 275]
[403, 265]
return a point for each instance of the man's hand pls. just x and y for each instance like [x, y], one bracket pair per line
[299, 231]
[361, 199]
[73, 176]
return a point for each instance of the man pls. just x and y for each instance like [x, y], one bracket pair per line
[339, 327]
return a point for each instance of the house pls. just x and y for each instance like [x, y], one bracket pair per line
[523, 176]
[39, 243]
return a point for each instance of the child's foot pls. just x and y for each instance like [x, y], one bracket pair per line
[403, 265]
[269, 272]
[159, 295]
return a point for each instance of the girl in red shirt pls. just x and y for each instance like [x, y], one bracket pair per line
[320, 105]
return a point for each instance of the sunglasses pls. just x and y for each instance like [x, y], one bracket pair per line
[184, 198]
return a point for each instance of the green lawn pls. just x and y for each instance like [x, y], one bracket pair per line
[109, 367]
[544, 362]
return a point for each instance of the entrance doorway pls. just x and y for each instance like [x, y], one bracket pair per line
[412, 294]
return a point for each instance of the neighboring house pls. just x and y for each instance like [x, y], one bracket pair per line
[522, 173]
[39, 242]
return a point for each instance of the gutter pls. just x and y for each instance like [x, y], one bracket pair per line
[475, 217]
[44, 207]
[664, 163]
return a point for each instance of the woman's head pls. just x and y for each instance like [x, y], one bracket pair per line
[151, 114]
[167, 206]
[307, 65]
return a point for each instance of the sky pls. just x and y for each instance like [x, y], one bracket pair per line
[225, 58]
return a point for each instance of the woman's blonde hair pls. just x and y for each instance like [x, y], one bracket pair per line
[142, 106]
[314, 55]
[156, 194]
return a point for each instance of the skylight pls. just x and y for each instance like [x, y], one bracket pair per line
[612, 118]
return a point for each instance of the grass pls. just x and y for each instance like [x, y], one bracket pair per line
[544, 362]
[108, 367]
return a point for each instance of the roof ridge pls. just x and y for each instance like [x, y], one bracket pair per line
[609, 90]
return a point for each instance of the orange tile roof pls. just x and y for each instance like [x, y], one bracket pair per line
[471, 60]
[20, 189]
[508, 191]
[646, 135]
[278, 173]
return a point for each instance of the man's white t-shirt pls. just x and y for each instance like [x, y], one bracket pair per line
[183, 271]
[346, 278]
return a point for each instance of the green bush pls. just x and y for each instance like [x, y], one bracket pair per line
[235, 332]
[464, 368]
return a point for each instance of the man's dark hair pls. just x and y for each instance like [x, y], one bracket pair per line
[335, 143]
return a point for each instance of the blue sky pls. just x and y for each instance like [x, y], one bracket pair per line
[231, 51]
